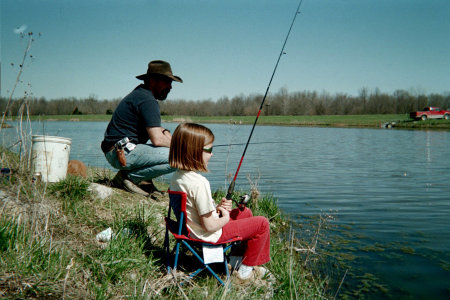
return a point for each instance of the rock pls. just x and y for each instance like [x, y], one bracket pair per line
[101, 191]
[3, 194]
[105, 235]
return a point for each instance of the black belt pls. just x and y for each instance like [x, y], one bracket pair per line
[109, 146]
[114, 147]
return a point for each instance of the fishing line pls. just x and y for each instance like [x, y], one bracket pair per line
[240, 144]
[232, 183]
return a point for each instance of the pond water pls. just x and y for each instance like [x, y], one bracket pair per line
[387, 190]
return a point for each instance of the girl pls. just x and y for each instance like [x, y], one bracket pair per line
[190, 151]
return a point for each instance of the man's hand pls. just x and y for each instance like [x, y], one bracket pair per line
[159, 137]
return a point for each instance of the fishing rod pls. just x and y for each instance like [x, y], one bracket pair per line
[244, 199]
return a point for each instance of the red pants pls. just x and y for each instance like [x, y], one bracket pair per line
[255, 233]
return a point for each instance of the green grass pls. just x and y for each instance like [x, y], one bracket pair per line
[48, 247]
[374, 121]
[428, 124]
[72, 191]
[332, 120]
[32, 265]
[350, 120]
[73, 118]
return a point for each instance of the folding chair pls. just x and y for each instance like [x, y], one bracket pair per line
[181, 233]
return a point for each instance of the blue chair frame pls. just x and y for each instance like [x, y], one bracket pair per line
[181, 233]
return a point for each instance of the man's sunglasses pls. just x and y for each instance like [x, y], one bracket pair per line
[209, 150]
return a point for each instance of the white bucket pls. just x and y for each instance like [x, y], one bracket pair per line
[50, 156]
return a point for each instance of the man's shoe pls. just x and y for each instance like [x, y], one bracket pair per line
[121, 181]
[131, 187]
[117, 181]
[148, 186]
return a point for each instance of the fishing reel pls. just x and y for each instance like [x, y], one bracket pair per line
[243, 200]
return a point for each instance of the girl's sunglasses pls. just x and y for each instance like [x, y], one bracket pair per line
[209, 150]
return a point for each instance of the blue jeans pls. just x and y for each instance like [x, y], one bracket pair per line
[145, 162]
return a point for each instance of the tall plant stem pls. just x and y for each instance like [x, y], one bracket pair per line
[21, 66]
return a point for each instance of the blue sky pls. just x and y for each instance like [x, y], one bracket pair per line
[226, 48]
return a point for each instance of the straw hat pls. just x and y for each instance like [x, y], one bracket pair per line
[159, 67]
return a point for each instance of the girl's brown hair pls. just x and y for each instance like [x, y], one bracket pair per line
[186, 148]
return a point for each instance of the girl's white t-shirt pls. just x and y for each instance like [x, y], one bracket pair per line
[199, 202]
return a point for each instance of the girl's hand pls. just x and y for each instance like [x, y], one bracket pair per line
[226, 204]
[224, 213]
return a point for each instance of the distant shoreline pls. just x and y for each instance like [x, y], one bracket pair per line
[355, 121]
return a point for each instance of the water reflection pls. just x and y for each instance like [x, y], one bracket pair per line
[388, 190]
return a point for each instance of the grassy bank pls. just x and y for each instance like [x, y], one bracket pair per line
[48, 246]
[371, 121]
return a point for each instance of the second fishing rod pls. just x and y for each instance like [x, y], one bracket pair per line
[244, 199]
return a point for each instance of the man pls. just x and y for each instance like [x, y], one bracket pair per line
[136, 120]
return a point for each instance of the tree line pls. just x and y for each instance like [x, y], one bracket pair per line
[279, 103]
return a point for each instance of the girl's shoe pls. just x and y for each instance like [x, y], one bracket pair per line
[260, 271]
[246, 273]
